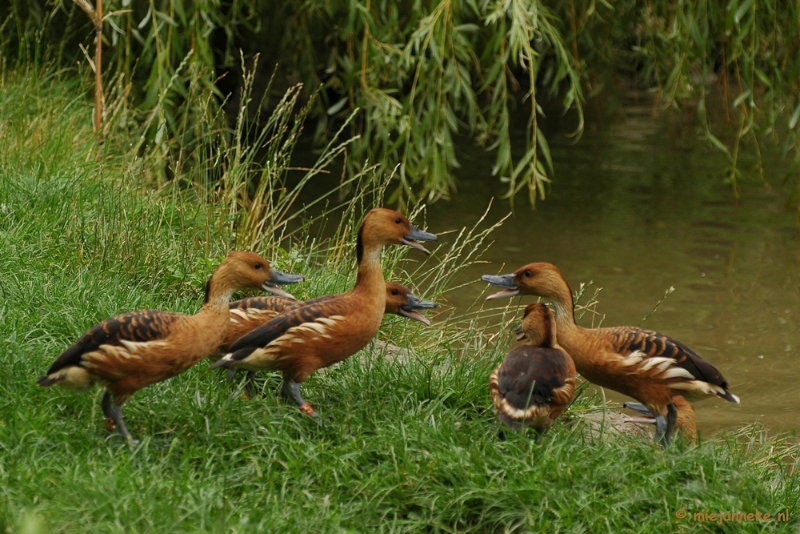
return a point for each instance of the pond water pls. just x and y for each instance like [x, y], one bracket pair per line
[639, 205]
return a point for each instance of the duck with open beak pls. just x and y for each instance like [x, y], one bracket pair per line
[304, 339]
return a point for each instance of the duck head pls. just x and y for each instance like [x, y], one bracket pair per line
[383, 226]
[542, 279]
[537, 325]
[400, 301]
[246, 269]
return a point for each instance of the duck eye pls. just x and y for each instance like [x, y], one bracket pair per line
[528, 273]
[258, 266]
[394, 292]
[398, 220]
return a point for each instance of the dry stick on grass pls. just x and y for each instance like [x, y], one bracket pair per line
[96, 17]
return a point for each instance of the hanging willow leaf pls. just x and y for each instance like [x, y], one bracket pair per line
[422, 73]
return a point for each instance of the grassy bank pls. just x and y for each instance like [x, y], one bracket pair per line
[408, 446]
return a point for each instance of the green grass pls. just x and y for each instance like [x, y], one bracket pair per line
[408, 446]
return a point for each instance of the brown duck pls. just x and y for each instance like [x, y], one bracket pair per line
[131, 351]
[250, 313]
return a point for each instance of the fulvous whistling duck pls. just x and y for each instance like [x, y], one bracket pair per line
[131, 351]
[536, 381]
[250, 313]
[304, 339]
[642, 364]
[685, 422]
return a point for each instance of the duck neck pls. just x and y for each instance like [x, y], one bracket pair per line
[564, 308]
[544, 339]
[218, 295]
[370, 275]
[549, 334]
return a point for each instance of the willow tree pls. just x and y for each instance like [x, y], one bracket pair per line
[421, 72]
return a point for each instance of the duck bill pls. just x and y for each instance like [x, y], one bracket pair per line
[519, 334]
[415, 303]
[506, 281]
[279, 278]
[410, 314]
[418, 235]
[639, 420]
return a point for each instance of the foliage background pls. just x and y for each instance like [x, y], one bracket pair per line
[420, 73]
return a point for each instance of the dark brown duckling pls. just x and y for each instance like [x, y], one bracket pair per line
[536, 381]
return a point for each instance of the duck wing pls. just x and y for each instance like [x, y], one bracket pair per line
[277, 304]
[138, 327]
[542, 368]
[316, 315]
[663, 357]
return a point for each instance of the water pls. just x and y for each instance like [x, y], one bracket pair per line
[639, 205]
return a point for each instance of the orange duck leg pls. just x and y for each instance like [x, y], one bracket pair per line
[648, 366]
[319, 334]
[129, 352]
[536, 381]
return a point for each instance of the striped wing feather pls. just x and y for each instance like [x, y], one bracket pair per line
[653, 344]
[275, 328]
[250, 313]
[277, 304]
[142, 326]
